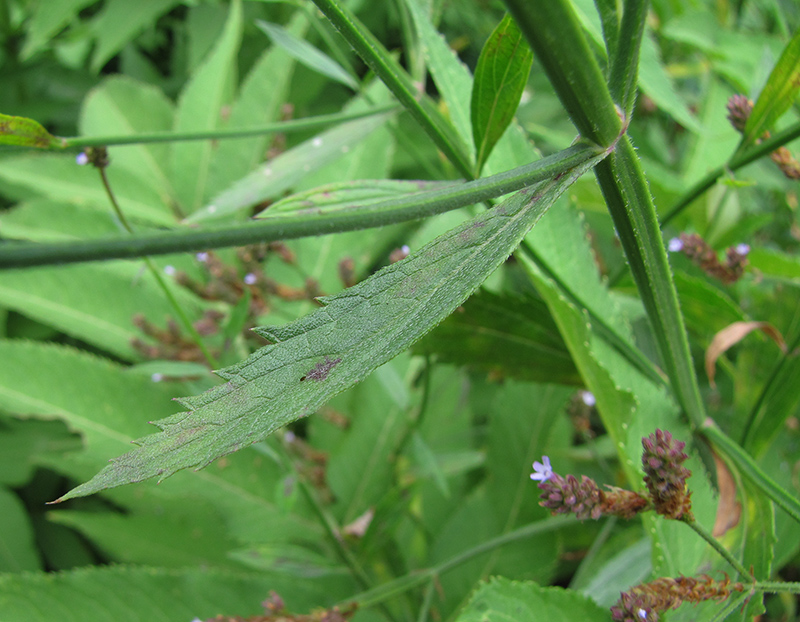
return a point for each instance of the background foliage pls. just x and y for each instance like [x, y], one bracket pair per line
[408, 492]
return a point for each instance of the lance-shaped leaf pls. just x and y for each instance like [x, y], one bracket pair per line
[500, 78]
[335, 347]
[26, 133]
[778, 93]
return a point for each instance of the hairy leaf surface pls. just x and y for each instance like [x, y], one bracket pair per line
[335, 347]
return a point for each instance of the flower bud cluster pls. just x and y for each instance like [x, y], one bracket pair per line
[698, 250]
[665, 478]
[665, 475]
[646, 601]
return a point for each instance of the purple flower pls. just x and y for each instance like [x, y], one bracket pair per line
[82, 159]
[542, 472]
[743, 249]
[675, 245]
[250, 278]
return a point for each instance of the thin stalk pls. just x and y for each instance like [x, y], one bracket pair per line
[715, 544]
[400, 585]
[295, 125]
[176, 306]
[737, 161]
[413, 207]
[427, 599]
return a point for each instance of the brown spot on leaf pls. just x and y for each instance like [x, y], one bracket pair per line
[321, 370]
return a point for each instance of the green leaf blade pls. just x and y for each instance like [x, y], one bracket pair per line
[501, 599]
[25, 132]
[307, 54]
[500, 78]
[199, 108]
[335, 347]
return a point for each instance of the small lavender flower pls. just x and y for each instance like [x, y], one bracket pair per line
[82, 159]
[675, 245]
[156, 377]
[202, 257]
[169, 270]
[665, 475]
[250, 278]
[542, 472]
[588, 398]
[743, 249]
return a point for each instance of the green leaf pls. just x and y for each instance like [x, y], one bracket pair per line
[451, 76]
[58, 177]
[500, 77]
[501, 599]
[200, 108]
[778, 94]
[657, 84]
[23, 442]
[17, 548]
[263, 92]
[48, 18]
[26, 133]
[174, 534]
[280, 173]
[144, 594]
[95, 303]
[307, 54]
[509, 337]
[335, 347]
[120, 21]
[109, 407]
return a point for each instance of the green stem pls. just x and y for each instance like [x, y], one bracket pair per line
[624, 74]
[413, 207]
[295, 125]
[715, 544]
[176, 306]
[399, 83]
[427, 599]
[736, 162]
[774, 587]
[631, 206]
[559, 43]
